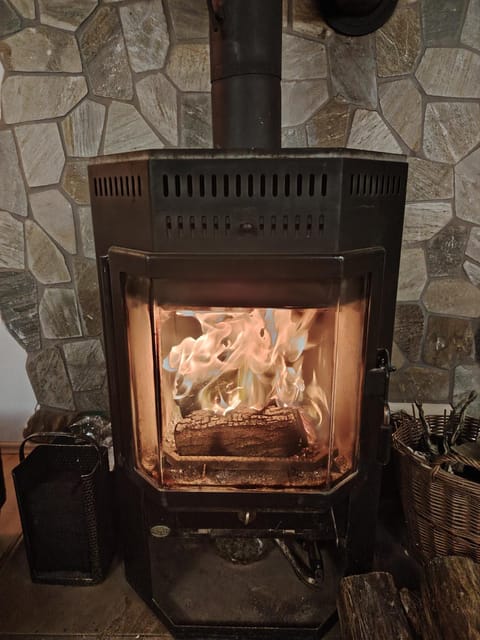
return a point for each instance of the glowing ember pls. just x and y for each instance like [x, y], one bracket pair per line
[249, 359]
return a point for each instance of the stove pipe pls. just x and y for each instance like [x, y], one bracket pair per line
[246, 65]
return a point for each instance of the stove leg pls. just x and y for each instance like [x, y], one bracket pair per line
[362, 521]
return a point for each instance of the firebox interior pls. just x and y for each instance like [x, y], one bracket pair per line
[252, 393]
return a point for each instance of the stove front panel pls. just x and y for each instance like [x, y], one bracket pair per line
[248, 374]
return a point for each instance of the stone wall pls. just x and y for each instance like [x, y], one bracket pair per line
[88, 77]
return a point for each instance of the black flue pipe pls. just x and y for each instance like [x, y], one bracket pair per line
[246, 66]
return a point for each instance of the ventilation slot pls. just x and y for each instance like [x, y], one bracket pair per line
[117, 186]
[238, 186]
[367, 185]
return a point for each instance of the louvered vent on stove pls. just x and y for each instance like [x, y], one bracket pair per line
[118, 186]
[246, 186]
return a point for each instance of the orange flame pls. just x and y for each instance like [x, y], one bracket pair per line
[247, 358]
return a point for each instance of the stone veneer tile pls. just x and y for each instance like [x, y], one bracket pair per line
[467, 378]
[473, 247]
[329, 126]
[370, 133]
[54, 213]
[82, 129]
[146, 34]
[451, 73]
[401, 104]
[92, 400]
[424, 219]
[46, 262]
[471, 27]
[442, 21]
[41, 49]
[75, 181]
[409, 326]
[398, 359]
[105, 56]
[302, 59]
[25, 8]
[86, 282]
[294, 137]
[188, 67]
[301, 99]
[12, 253]
[66, 14]
[473, 272]
[59, 314]
[12, 189]
[49, 379]
[43, 97]
[412, 276]
[84, 215]
[19, 308]
[85, 364]
[2, 75]
[353, 70]
[126, 130]
[10, 21]
[158, 103]
[452, 296]
[399, 42]
[41, 152]
[451, 130]
[448, 341]
[467, 188]
[307, 19]
[196, 120]
[419, 383]
[446, 250]
[189, 19]
[429, 180]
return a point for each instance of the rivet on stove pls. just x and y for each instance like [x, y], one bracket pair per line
[160, 531]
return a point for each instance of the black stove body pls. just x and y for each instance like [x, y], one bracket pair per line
[294, 257]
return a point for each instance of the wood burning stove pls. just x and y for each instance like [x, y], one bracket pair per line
[248, 303]
[248, 300]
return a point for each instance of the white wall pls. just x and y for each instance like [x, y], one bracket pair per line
[17, 401]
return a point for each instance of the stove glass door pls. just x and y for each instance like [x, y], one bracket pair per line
[245, 394]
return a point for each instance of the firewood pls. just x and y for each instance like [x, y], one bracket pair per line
[369, 608]
[413, 607]
[272, 433]
[451, 598]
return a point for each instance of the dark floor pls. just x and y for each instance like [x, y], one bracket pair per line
[112, 610]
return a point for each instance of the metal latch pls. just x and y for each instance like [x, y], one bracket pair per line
[377, 384]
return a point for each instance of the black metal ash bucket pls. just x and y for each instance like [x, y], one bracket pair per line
[63, 491]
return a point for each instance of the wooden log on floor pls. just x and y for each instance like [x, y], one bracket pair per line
[275, 432]
[415, 612]
[450, 594]
[369, 608]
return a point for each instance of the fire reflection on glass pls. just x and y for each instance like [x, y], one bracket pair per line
[249, 397]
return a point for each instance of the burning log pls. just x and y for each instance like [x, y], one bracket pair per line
[275, 432]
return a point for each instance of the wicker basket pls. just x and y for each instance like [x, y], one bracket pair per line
[442, 510]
